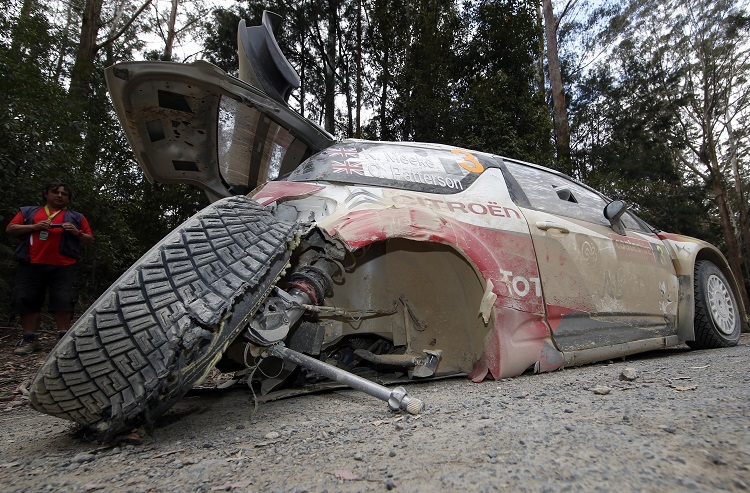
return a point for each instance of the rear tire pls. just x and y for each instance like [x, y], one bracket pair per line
[717, 317]
[165, 322]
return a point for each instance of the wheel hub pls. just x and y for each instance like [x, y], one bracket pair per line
[721, 305]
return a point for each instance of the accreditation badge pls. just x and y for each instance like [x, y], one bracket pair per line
[43, 235]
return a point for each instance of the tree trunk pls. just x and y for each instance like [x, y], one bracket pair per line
[733, 251]
[91, 23]
[742, 202]
[719, 190]
[385, 132]
[358, 131]
[300, 22]
[559, 109]
[65, 39]
[350, 102]
[17, 46]
[330, 77]
[171, 31]
[80, 76]
[709, 156]
[113, 30]
[540, 61]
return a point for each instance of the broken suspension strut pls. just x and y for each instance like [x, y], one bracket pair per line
[309, 286]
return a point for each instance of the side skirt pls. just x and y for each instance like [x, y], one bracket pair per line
[586, 356]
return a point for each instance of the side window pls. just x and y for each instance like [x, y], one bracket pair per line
[631, 222]
[551, 193]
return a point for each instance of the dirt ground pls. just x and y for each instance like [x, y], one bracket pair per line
[682, 424]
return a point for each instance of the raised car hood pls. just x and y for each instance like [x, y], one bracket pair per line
[192, 123]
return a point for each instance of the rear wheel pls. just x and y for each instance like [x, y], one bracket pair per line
[717, 318]
[160, 327]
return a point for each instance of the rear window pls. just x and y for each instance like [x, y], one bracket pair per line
[426, 168]
[247, 136]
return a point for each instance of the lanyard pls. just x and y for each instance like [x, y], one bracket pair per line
[43, 235]
[51, 216]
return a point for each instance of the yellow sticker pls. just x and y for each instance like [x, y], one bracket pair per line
[470, 163]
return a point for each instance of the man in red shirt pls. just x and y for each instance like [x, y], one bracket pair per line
[51, 238]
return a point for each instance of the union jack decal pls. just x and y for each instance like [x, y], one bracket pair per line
[344, 152]
[347, 167]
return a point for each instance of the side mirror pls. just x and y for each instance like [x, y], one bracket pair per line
[614, 211]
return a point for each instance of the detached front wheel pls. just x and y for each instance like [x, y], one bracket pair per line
[166, 321]
[717, 316]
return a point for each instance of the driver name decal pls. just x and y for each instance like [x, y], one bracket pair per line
[444, 168]
[429, 179]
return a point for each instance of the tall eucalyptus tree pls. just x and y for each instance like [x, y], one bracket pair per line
[559, 105]
[699, 54]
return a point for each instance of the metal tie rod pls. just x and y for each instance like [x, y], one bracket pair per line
[397, 398]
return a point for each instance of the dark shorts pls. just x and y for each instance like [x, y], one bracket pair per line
[33, 281]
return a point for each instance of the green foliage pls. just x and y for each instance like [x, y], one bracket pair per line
[385, 43]
[433, 72]
[627, 151]
[423, 108]
[51, 134]
[461, 77]
[498, 106]
[221, 42]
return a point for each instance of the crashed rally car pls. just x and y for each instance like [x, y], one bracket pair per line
[323, 262]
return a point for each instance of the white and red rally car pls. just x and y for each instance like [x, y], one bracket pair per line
[321, 260]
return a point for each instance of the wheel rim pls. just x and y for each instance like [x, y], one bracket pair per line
[721, 305]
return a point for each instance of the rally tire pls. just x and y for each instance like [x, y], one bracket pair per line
[165, 322]
[717, 317]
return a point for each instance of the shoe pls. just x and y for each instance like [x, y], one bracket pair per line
[27, 347]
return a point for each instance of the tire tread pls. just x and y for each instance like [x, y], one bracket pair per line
[154, 332]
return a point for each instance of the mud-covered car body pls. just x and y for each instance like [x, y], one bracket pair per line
[547, 280]
[413, 260]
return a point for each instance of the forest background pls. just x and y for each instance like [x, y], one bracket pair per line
[646, 100]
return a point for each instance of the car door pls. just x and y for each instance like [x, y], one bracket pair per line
[600, 288]
[193, 123]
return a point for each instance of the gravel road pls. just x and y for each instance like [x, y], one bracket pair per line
[682, 424]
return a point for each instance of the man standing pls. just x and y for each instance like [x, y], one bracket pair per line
[51, 238]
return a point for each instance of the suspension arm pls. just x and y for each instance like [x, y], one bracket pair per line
[396, 398]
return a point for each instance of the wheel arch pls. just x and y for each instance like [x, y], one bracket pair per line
[688, 252]
[714, 255]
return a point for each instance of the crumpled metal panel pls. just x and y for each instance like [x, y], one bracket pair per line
[485, 227]
[519, 338]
